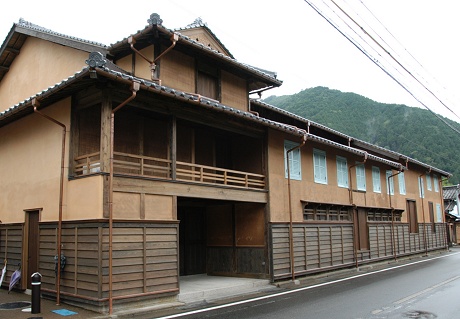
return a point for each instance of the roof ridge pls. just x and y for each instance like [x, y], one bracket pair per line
[27, 24]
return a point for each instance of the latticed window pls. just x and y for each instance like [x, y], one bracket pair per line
[327, 212]
[383, 215]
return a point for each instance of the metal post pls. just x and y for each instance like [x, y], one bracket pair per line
[36, 283]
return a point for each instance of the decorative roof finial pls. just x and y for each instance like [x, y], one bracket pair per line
[197, 23]
[96, 59]
[155, 19]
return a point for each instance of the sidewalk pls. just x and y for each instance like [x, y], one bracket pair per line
[197, 292]
[46, 308]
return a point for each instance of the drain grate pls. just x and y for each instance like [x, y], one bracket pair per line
[14, 305]
[418, 314]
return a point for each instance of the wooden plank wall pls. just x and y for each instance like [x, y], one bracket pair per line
[381, 241]
[320, 247]
[145, 259]
[316, 247]
[10, 249]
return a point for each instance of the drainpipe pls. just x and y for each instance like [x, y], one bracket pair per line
[174, 38]
[135, 86]
[441, 191]
[423, 211]
[350, 195]
[392, 211]
[291, 237]
[35, 105]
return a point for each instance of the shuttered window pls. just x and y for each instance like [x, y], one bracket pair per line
[428, 182]
[342, 171]
[319, 166]
[294, 160]
[360, 177]
[390, 183]
[436, 183]
[376, 180]
[402, 183]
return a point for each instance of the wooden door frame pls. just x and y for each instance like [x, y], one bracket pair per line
[25, 236]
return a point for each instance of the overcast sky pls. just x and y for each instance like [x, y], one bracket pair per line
[290, 38]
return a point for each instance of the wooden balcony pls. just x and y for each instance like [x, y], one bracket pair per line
[150, 167]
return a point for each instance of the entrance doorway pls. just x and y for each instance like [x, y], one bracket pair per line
[32, 241]
[192, 240]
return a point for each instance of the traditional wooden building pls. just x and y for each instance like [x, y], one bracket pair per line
[452, 213]
[148, 161]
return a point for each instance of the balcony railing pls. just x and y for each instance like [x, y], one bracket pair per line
[137, 165]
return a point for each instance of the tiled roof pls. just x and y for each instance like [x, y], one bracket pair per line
[187, 97]
[360, 144]
[20, 31]
[198, 23]
[451, 192]
[26, 24]
[270, 76]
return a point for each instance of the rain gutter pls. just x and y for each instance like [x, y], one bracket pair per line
[36, 104]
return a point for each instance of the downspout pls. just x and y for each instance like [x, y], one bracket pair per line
[291, 237]
[350, 195]
[423, 210]
[392, 212]
[441, 191]
[174, 38]
[35, 105]
[135, 86]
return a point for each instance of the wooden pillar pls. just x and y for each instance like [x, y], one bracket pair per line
[105, 148]
[173, 146]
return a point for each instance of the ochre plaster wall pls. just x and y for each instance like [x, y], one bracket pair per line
[309, 191]
[40, 64]
[131, 205]
[85, 198]
[234, 91]
[30, 152]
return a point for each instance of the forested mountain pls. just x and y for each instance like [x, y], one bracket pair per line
[408, 130]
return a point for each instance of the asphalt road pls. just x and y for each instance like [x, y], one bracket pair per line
[423, 288]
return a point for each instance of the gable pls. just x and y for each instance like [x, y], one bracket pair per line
[39, 65]
[201, 35]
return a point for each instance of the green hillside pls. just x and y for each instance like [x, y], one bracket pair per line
[408, 130]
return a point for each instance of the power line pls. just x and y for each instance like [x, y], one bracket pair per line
[329, 20]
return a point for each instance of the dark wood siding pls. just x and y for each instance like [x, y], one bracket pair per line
[145, 259]
[11, 245]
[315, 247]
[321, 247]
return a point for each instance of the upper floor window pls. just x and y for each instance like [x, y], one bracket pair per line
[421, 188]
[376, 179]
[436, 183]
[360, 177]
[438, 213]
[294, 160]
[342, 171]
[428, 182]
[402, 183]
[390, 183]
[207, 81]
[319, 166]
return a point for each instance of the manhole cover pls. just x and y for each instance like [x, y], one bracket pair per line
[417, 314]
[14, 305]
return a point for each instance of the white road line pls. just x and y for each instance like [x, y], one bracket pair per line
[242, 302]
[421, 292]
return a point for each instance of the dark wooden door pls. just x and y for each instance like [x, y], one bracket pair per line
[33, 246]
[363, 231]
[192, 241]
